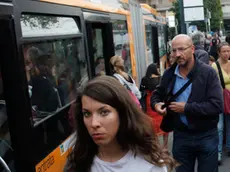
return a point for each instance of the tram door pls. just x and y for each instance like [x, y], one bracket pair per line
[15, 125]
[54, 66]
[6, 151]
[100, 43]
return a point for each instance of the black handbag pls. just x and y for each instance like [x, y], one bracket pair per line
[167, 123]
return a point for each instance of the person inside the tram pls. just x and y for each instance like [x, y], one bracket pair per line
[100, 66]
[113, 133]
[44, 93]
[125, 54]
[30, 53]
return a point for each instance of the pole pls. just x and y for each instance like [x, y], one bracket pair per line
[176, 26]
[209, 27]
[206, 24]
[187, 27]
[182, 24]
[209, 16]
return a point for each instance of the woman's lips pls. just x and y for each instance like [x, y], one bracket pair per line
[97, 136]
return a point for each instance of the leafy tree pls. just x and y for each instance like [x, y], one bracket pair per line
[38, 20]
[214, 6]
[176, 10]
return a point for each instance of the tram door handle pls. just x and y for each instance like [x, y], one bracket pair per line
[3, 163]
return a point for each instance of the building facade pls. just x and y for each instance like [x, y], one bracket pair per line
[162, 6]
[226, 15]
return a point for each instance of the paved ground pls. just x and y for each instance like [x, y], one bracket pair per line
[225, 167]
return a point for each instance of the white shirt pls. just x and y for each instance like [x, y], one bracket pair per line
[128, 163]
[131, 85]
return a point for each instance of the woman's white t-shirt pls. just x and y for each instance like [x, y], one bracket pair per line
[129, 163]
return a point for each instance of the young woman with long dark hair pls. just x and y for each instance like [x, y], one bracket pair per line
[113, 133]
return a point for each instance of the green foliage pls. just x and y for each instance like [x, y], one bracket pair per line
[38, 20]
[214, 6]
[176, 10]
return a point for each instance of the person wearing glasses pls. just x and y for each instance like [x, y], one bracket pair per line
[195, 111]
[199, 41]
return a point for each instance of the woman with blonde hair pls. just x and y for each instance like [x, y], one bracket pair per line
[113, 134]
[123, 77]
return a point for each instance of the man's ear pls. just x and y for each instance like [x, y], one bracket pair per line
[193, 49]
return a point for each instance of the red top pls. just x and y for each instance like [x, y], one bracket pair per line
[156, 118]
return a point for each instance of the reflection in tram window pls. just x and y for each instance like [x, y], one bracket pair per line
[161, 41]
[121, 43]
[54, 71]
[98, 51]
[100, 66]
[40, 26]
[149, 47]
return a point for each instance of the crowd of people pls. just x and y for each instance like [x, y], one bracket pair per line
[118, 125]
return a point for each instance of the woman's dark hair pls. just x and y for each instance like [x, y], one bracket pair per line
[152, 69]
[135, 130]
[44, 63]
[221, 45]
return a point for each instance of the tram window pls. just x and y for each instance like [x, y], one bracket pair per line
[121, 43]
[149, 46]
[111, 3]
[40, 26]
[161, 41]
[98, 51]
[54, 69]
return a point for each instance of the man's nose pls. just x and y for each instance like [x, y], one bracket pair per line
[177, 53]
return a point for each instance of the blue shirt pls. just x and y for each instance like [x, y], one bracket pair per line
[183, 97]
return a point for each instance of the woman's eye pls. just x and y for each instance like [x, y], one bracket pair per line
[86, 114]
[105, 112]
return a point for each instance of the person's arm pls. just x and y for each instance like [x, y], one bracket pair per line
[159, 93]
[213, 105]
[138, 93]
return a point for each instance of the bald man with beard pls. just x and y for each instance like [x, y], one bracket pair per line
[195, 112]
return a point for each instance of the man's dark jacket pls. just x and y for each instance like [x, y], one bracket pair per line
[205, 102]
[201, 54]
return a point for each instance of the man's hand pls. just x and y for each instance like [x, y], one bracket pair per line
[177, 107]
[158, 108]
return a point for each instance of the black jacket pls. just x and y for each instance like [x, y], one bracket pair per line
[205, 102]
[201, 54]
